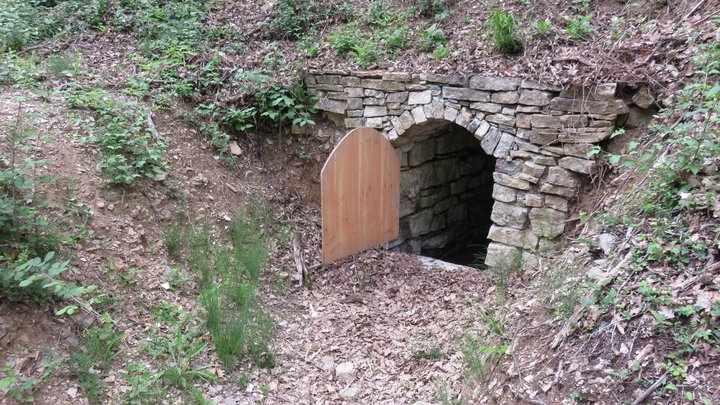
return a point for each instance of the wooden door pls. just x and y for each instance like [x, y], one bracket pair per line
[360, 185]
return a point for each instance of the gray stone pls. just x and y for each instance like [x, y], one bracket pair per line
[544, 160]
[427, 109]
[349, 392]
[481, 130]
[329, 87]
[354, 113]
[528, 109]
[578, 165]
[455, 80]
[328, 79]
[557, 203]
[438, 109]
[490, 140]
[638, 116]
[374, 111]
[501, 119]
[504, 194]
[450, 114]
[494, 83]
[406, 120]
[523, 121]
[460, 93]
[397, 76]
[422, 97]
[505, 97]
[535, 97]
[345, 371]
[504, 256]
[438, 222]
[533, 169]
[577, 149]
[583, 135]
[561, 177]
[350, 81]
[558, 121]
[513, 237]
[607, 243]
[382, 85]
[335, 106]
[509, 181]
[438, 241]
[464, 117]
[354, 92]
[593, 93]
[533, 200]
[473, 125]
[557, 190]
[508, 111]
[486, 107]
[354, 122]
[504, 145]
[643, 98]
[510, 215]
[310, 80]
[457, 213]
[547, 222]
[418, 115]
[355, 103]
[376, 123]
[459, 186]
[588, 106]
[374, 101]
[420, 222]
[530, 84]
[422, 152]
[400, 97]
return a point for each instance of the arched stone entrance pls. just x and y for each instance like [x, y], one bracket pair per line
[446, 185]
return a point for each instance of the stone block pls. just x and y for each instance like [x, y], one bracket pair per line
[557, 190]
[427, 109]
[438, 109]
[533, 200]
[535, 97]
[556, 203]
[508, 111]
[542, 137]
[334, 106]
[578, 165]
[407, 120]
[354, 113]
[354, 122]
[509, 181]
[463, 118]
[583, 135]
[528, 109]
[588, 106]
[490, 140]
[350, 81]
[310, 80]
[374, 101]
[355, 103]
[461, 93]
[375, 111]
[593, 93]
[420, 97]
[459, 186]
[397, 76]
[504, 194]
[399, 97]
[501, 119]
[438, 223]
[533, 169]
[547, 222]
[558, 121]
[531, 84]
[510, 215]
[643, 98]
[418, 115]
[481, 130]
[504, 257]
[494, 83]
[561, 177]
[420, 222]
[376, 123]
[523, 121]
[383, 85]
[514, 237]
[337, 96]
[504, 145]
[329, 79]
[544, 160]
[486, 107]
[456, 213]
[422, 152]
[354, 92]
[444, 204]
[438, 241]
[505, 97]
[450, 114]
[577, 149]
[453, 80]
[329, 87]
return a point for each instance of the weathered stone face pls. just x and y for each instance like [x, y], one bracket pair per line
[538, 134]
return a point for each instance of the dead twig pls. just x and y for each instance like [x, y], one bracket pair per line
[640, 399]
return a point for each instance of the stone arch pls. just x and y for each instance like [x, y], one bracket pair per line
[539, 134]
[446, 192]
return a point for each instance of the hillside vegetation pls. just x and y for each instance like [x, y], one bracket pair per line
[159, 169]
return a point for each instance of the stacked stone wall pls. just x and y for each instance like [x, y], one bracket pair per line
[539, 134]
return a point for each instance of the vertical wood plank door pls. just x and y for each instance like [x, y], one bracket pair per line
[360, 187]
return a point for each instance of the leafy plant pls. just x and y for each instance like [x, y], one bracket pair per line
[504, 35]
[131, 147]
[431, 7]
[95, 358]
[542, 28]
[579, 27]
[293, 18]
[431, 38]
[441, 52]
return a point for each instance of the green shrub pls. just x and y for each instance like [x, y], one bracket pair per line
[579, 27]
[503, 28]
[431, 7]
[94, 359]
[131, 148]
[441, 52]
[542, 28]
[345, 39]
[431, 38]
[397, 40]
[294, 18]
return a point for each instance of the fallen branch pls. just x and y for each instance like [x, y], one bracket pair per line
[300, 270]
[639, 400]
